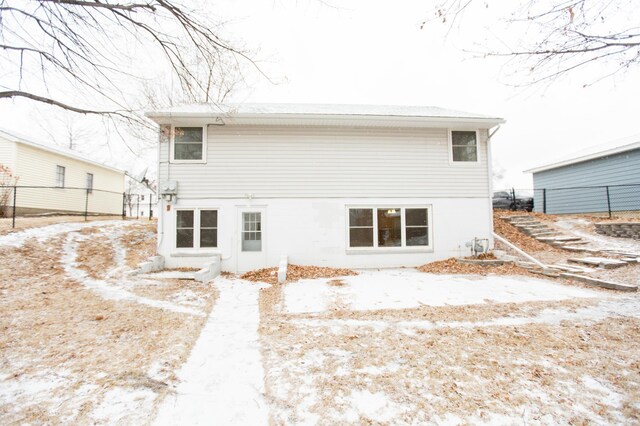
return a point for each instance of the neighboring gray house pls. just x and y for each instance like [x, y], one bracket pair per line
[597, 180]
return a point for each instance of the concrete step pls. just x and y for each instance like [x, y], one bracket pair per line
[600, 283]
[543, 234]
[573, 268]
[600, 262]
[557, 239]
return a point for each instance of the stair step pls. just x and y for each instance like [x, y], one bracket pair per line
[558, 239]
[601, 262]
[600, 283]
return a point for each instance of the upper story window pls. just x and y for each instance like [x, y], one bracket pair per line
[464, 146]
[188, 144]
[60, 170]
[90, 182]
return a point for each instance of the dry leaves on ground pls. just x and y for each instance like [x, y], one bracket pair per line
[295, 273]
[452, 266]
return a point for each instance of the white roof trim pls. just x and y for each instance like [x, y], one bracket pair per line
[583, 158]
[14, 137]
[322, 114]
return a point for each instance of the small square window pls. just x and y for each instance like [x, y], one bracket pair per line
[464, 146]
[188, 143]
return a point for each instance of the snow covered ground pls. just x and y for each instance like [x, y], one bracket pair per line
[583, 228]
[383, 347]
[222, 382]
[409, 288]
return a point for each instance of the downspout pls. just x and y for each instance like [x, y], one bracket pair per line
[159, 198]
[490, 177]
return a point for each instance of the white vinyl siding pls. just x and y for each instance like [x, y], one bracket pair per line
[279, 161]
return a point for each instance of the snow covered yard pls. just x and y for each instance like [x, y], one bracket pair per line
[82, 341]
[403, 347]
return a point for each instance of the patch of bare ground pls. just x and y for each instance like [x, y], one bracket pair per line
[295, 273]
[453, 266]
[141, 244]
[569, 373]
[96, 256]
[66, 352]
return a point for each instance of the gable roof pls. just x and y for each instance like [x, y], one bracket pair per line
[25, 140]
[591, 153]
[354, 113]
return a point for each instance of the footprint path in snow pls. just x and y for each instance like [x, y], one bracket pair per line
[114, 286]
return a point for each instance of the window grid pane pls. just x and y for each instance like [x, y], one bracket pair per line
[251, 231]
[184, 228]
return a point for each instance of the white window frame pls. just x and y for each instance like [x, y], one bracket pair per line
[203, 160]
[89, 187]
[463, 163]
[61, 184]
[196, 229]
[403, 246]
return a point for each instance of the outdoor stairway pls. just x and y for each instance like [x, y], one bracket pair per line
[542, 232]
[577, 268]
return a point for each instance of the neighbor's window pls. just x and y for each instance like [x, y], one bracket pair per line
[361, 227]
[89, 182]
[60, 176]
[393, 226]
[208, 228]
[185, 228]
[252, 231]
[464, 146]
[188, 143]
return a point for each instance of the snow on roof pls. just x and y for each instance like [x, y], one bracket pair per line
[26, 140]
[251, 109]
[592, 152]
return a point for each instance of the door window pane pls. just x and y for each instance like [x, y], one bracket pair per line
[389, 228]
[252, 231]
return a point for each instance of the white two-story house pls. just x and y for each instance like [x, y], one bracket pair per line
[328, 185]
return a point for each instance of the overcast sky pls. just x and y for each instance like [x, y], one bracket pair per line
[374, 52]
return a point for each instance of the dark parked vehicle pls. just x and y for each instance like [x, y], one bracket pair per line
[510, 200]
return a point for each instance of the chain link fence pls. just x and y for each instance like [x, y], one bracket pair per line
[21, 203]
[607, 200]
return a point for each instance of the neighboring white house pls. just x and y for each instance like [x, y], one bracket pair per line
[53, 179]
[331, 185]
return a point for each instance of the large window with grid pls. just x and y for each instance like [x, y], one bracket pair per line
[389, 227]
[197, 228]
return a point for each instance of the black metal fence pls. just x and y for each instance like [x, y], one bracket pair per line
[20, 201]
[606, 199]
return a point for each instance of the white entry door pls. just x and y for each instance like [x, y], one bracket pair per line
[252, 249]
